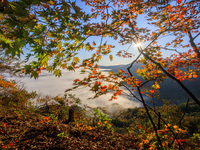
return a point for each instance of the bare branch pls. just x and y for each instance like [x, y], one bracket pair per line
[132, 93]
[196, 36]
[132, 65]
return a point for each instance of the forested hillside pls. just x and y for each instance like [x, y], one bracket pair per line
[169, 90]
[159, 36]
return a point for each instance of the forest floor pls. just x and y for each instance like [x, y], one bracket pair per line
[24, 129]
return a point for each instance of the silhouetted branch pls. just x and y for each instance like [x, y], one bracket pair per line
[132, 65]
[184, 112]
[172, 77]
[196, 36]
[150, 118]
[193, 44]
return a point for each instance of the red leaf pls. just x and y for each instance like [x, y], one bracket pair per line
[151, 91]
[180, 16]
[11, 144]
[5, 124]
[179, 1]
[119, 92]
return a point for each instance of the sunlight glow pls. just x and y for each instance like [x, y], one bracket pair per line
[138, 44]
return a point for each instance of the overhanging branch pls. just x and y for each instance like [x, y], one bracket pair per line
[172, 77]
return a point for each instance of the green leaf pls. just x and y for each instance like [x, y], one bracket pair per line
[57, 72]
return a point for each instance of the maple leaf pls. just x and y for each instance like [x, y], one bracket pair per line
[76, 59]
[51, 2]
[111, 57]
[195, 75]
[179, 1]
[111, 72]
[151, 91]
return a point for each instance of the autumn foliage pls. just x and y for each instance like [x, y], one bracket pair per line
[30, 127]
[55, 31]
[12, 94]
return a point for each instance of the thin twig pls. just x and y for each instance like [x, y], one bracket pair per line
[196, 36]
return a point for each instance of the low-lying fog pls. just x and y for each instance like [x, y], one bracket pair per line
[48, 84]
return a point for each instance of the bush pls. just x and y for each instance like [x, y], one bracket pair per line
[12, 94]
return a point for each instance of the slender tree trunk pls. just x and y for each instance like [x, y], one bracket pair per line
[150, 118]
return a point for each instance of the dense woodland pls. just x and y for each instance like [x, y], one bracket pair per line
[49, 35]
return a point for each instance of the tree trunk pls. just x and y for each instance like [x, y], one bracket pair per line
[70, 117]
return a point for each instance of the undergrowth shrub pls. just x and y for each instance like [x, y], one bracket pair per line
[14, 95]
[101, 120]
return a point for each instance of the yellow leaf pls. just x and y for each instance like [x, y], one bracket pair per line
[157, 86]
[104, 35]
[111, 57]
[111, 72]
[51, 2]
[48, 34]
[76, 59]
[163, 29]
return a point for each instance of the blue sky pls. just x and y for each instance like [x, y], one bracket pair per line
[105, 61]
[141, 22]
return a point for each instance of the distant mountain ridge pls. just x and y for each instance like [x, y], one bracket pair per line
[169, 89]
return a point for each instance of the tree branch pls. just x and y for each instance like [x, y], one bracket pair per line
[196, 36]
[184, 112]
[132, 65]
[193, 44]
[150, 118]
[172, 77]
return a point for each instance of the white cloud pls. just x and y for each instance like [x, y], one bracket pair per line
[48, 84]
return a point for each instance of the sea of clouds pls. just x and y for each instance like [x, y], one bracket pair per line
[48, 84]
